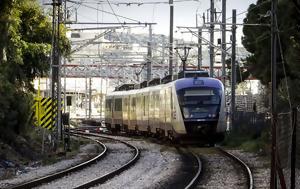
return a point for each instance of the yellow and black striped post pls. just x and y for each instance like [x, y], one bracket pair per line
[45, 112]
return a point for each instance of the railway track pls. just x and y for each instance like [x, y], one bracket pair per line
[39, 181]
[115, 172]
[196, 176]
[245, 167]
[61, 176]
[223, 169]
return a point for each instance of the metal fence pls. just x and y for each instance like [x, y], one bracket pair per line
[288, 146]
[251, 121]
[288, 140]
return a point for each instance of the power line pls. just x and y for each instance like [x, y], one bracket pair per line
[118, 3]
[87, 6]
[114, 12]
[248, 10]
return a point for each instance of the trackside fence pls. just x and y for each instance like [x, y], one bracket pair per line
[288, 139]
[288, 146]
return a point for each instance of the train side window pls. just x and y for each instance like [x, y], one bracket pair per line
[118, 104]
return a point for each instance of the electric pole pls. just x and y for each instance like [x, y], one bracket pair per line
[171, 38]
[211, 47]
[223, 41]
[233, 67]
[56, 67]
[149, 54]
[183, 58]
[199, 48]
[90, 98]
[273, 180]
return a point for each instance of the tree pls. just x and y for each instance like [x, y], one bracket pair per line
[5, 7]
[241, 73]
[28, 46]
[257, 41]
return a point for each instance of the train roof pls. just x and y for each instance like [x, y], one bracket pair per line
[199, 81]
[191, 78]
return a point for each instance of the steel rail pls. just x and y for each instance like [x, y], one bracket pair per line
[115, 172]
[51, 177]
[243, 164]
[193, 182]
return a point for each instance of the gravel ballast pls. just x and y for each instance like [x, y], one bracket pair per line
[118, 155]
[219, 171]
[260, 168]
[156, 168]
[86, 151]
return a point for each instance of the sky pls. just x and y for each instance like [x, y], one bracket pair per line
[184, 14]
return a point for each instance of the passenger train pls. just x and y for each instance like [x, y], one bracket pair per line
[191, 107]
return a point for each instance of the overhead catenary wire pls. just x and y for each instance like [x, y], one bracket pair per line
[114, 13]
[118, 3]
[91, 7]
[248, 10]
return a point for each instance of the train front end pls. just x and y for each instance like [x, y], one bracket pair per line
[201, 102]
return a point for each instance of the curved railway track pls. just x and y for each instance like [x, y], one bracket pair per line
[54, 176]
[222, 169]
[194, 180]
[115, 172]
[245, 167]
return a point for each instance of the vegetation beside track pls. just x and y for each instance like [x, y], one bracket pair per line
[25, 48]
[247, 139]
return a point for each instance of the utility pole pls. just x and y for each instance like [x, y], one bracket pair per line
[211, 47]
[56, 67]
[171, 38]
[273, 180]
[90, 98]
[85, 99]
[149, 54]
[184, 57]
[101, 97]
[233, 67]
[65, 61]
[223, 41]
[199, 48]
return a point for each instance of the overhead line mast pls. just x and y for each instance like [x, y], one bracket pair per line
[171, 37]
[211, 47]
[223, 41]
[273, 180]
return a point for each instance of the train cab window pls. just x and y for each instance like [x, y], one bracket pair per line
[118, 104]
[199, 103]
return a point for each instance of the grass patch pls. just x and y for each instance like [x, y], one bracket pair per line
[247, 139]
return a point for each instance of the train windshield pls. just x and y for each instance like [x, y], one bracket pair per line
[198, 103]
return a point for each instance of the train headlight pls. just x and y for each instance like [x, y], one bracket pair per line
[186, 115]
[212, 115]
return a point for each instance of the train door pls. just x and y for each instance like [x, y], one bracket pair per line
[139, 111]
[151, 109]
[132, 124]
[157, 111]
[112, 112]
[125, 112]
[162, 117]
[144, 111]
[168, 105]
[108, 112]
